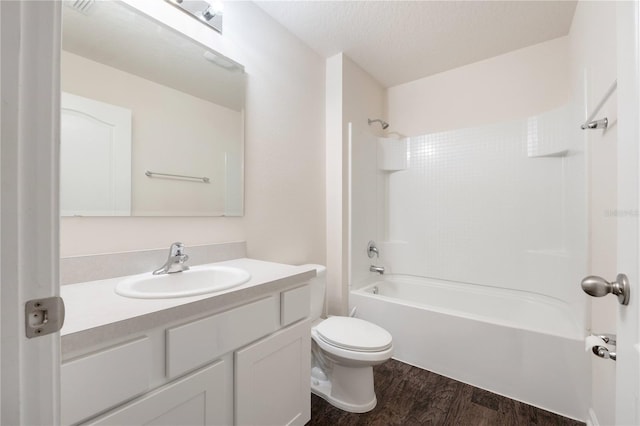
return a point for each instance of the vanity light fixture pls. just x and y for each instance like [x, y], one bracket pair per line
[208, 12]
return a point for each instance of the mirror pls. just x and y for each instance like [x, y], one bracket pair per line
[152, 122]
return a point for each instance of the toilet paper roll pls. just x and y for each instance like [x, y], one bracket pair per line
[591, 341]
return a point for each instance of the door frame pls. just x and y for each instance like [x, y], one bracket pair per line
[29, 211]
[628, 358]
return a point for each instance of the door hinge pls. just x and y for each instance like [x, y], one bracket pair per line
[43, 316]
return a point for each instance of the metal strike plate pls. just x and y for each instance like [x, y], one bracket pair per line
[43, 316]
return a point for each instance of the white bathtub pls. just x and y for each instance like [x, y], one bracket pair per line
[521, 345]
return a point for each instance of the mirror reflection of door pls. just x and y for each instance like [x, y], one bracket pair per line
[95, 156]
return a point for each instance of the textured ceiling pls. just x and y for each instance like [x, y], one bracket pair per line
[401, 41]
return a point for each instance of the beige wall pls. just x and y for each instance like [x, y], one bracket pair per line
[514, 85]
[337, 200]
[592, 43]
[284, 152]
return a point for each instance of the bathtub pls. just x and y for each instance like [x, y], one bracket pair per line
[525, 346]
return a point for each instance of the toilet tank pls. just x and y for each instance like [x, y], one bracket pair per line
[317, 286]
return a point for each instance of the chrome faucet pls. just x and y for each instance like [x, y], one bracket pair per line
[378, 269]
[175, 261]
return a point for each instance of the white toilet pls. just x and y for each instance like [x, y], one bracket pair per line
[343, 352]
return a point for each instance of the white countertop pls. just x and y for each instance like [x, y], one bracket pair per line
[94, 312]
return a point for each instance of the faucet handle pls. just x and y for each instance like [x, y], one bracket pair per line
[176, 249]
[372, 249]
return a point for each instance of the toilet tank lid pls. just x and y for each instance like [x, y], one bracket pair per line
[321, 270]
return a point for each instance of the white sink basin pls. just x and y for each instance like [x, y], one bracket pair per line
[195, 281]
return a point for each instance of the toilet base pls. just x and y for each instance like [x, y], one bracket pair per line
[348, 388]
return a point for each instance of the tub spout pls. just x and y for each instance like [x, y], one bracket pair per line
[378, 269]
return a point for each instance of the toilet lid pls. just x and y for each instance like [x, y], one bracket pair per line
[354, 334]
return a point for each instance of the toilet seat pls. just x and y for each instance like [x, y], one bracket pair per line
[345, 350]
[352, 335]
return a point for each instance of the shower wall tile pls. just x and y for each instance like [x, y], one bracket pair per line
[487, 205]
[548, 134]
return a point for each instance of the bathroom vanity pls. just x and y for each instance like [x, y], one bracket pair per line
[239, 356]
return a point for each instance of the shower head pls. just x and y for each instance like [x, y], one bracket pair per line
[384, 124]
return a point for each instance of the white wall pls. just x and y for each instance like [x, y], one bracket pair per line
[353, 96]
[514, 85]
[364, 98]
[592, 43]
[284, 151]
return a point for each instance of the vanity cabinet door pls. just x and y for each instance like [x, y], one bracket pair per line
[273, 379]
[197, 399]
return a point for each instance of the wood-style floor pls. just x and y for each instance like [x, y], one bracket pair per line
[411, 396]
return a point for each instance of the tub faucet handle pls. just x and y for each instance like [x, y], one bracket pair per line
[372, 249]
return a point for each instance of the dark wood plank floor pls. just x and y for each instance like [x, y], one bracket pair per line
[411, 396]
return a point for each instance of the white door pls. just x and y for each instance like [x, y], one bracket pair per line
[29, 216]
[628, 357]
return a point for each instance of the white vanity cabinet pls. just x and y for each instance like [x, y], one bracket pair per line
[272, 375]
[197, 399]
[272, 379]
[245, 365]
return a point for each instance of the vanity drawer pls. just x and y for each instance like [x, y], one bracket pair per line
[96, 382]
[294, 305]
[197, 343]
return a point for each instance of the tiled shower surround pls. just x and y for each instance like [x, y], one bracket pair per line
[500, 205]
